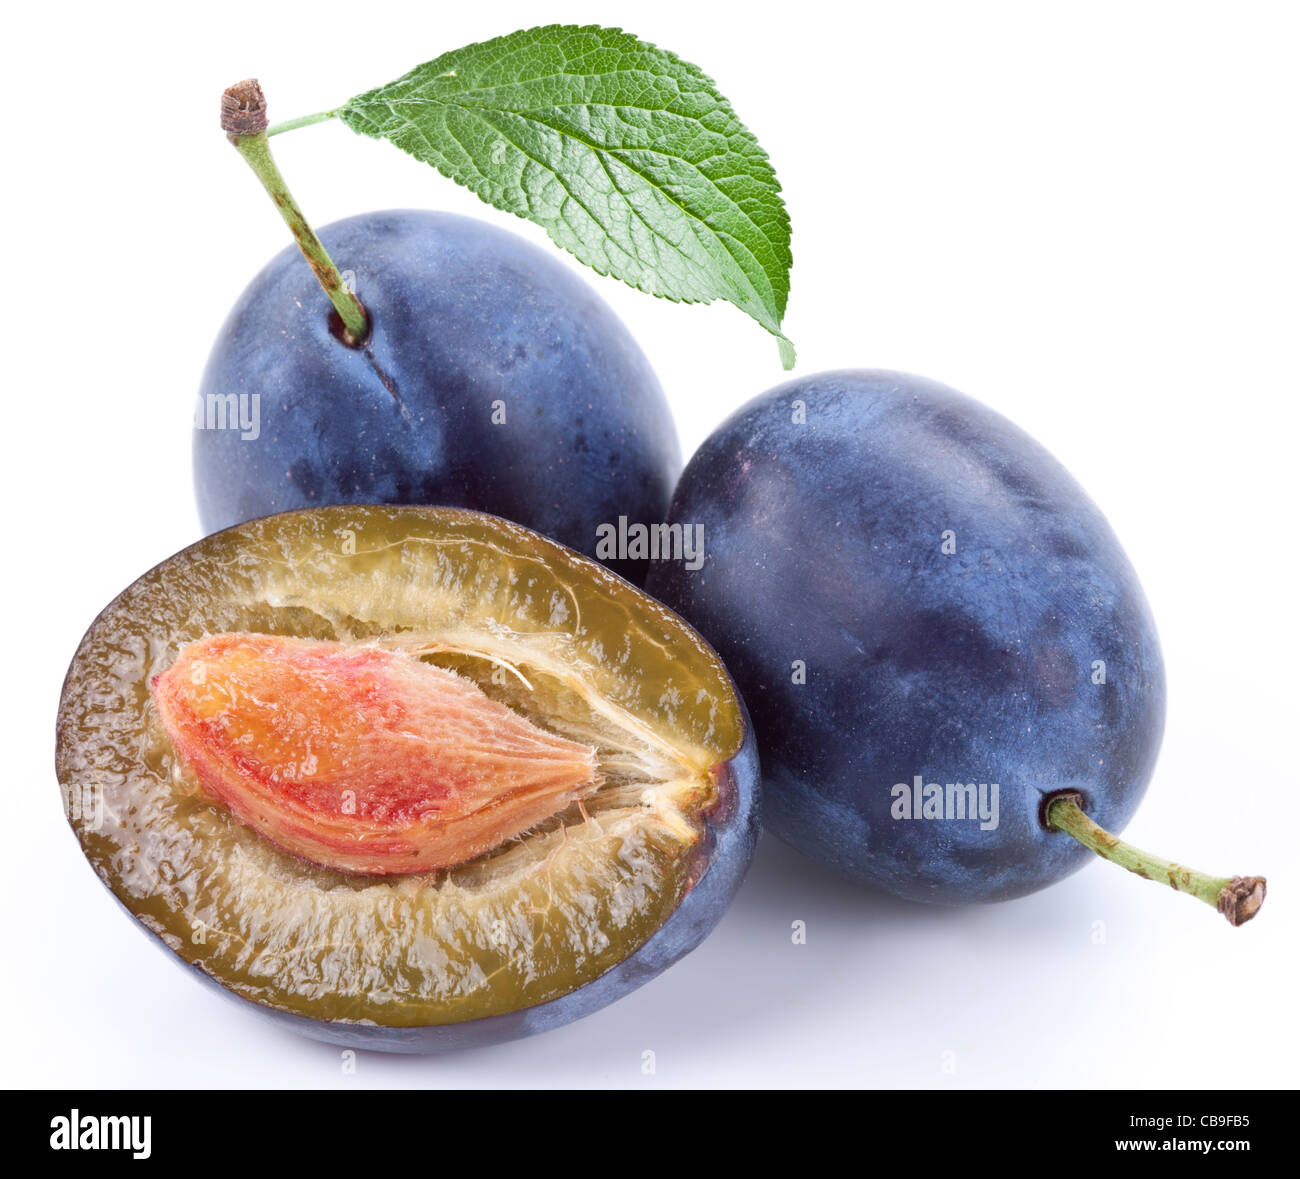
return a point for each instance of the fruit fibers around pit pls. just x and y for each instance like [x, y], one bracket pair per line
[493, 378]
[547, 926]
[909, 589]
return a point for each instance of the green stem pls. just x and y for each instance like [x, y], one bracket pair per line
[303, 121]
[243, 118]
[1238, 898]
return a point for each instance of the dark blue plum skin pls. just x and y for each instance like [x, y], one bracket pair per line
[823, 543]
[731, 832]
[467, 319]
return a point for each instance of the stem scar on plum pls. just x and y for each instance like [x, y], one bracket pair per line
[244, 120]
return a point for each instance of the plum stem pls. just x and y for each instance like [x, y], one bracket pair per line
[1238, 898]
[301, 121]
[243, 118]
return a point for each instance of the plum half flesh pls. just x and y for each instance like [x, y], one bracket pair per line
[407, 778]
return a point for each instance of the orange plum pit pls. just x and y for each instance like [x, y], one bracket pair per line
[361, 759]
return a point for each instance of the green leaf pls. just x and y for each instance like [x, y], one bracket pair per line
[625, 154]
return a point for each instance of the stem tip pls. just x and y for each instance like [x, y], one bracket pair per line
[1238, 898]
[243, 109]
[1242, 898]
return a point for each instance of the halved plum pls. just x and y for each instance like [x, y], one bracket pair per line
[408, 778]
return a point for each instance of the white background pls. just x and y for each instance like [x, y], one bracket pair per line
[1084, 215]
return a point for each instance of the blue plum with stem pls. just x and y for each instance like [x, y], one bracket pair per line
[948, 658]
[491, 377]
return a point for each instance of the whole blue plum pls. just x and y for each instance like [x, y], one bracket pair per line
[934, 628]
[493, 378]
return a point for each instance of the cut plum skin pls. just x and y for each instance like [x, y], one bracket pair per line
[361, 759]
